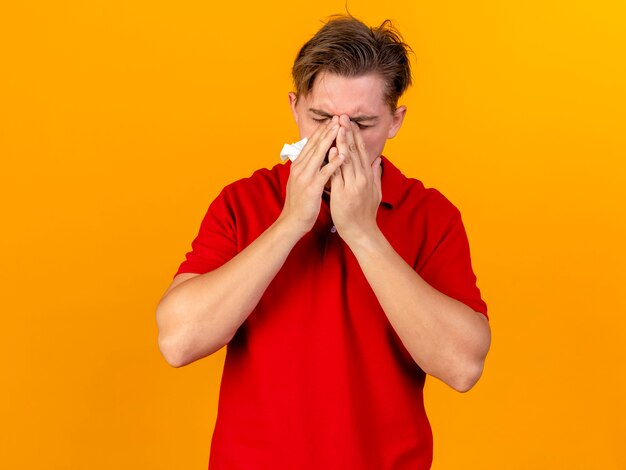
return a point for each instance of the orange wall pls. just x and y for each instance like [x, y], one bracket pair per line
[120, 121]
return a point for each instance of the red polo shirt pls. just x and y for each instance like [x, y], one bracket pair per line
[316, 377]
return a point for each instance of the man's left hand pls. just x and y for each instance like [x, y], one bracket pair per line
[355, 186]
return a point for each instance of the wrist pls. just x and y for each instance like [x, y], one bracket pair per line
[288, 228]
[362, 242]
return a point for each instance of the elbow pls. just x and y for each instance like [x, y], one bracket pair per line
[181, 353]
[172, 352]
[459, 378]
[170, 344]
[465, 380]
[181, 344]
[473, 365]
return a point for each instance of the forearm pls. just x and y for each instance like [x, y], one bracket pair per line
[446, 338]
[202, 314]
[197, 316]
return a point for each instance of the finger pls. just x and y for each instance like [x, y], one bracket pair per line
[348, 170]
[313, 142]
[378, 173]
[352, 145]
[333, 152]
[321, 130]
[321, 147]
[377, 164]
[342, 138]
[337, 181]
[335, 159]
[364, 158]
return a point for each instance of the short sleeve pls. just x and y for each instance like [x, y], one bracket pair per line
[216, 242]
[449, 269]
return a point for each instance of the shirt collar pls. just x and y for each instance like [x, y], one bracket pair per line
[391, 183]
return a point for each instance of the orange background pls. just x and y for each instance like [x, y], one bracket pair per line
[121, 120]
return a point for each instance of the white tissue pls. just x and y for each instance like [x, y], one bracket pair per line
[291, 151]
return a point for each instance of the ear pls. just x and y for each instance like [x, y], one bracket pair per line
[396, 122]
[293, 100]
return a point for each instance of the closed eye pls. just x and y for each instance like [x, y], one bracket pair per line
[321, 120]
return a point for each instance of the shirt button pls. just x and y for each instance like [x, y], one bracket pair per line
[333, 229]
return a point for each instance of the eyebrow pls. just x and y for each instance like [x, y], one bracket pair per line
[319, 112]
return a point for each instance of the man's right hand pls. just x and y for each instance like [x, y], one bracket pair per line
[308, 178]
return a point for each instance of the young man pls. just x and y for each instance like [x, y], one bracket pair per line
[336, 282]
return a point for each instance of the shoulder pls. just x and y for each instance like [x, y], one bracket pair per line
[262, 184]
[410, 194]
[260, 178]
[253, 203]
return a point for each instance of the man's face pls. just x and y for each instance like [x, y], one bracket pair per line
[361, 98]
